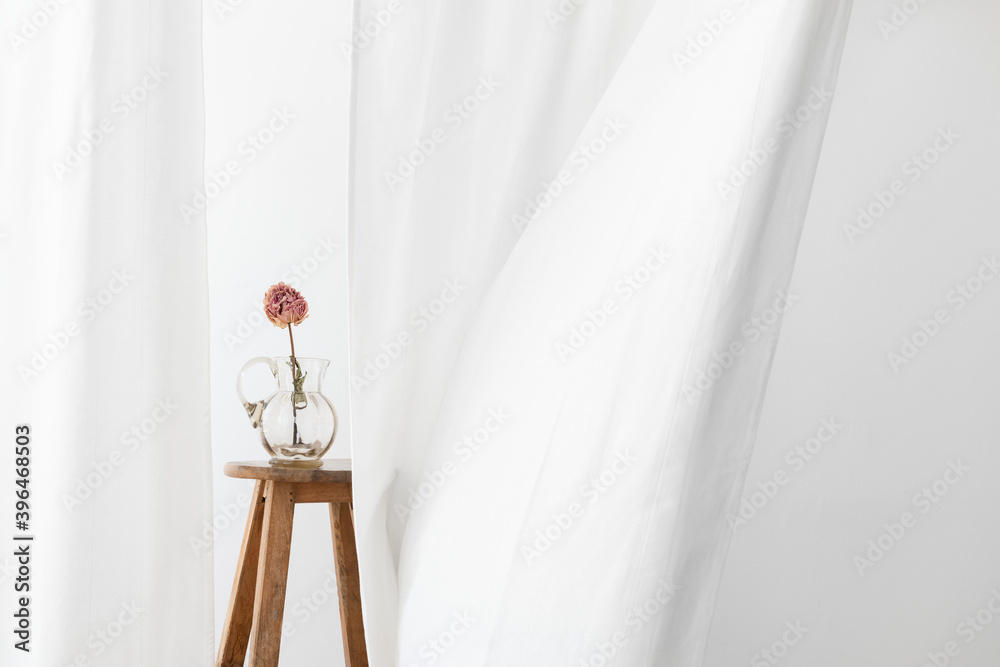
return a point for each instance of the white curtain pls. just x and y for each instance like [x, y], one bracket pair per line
[573, 227]
[101, 143]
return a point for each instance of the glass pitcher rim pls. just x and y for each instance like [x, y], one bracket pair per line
[288, 357]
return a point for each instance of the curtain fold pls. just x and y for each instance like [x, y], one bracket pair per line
[571, 238]
[101, 143]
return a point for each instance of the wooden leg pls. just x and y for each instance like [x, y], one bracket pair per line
[269, 600]
[348, 585]
[236, 631]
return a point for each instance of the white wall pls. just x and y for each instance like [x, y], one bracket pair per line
[279, 212]
[901, 428]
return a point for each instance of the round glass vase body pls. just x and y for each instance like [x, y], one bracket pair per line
[297, 427]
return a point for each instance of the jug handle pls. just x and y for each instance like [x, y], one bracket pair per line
[254, 409]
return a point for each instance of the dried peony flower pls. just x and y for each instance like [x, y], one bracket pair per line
[284, 305]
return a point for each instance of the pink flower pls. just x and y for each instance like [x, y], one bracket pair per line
[284, 305]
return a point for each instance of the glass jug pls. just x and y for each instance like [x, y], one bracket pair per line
[296, 427]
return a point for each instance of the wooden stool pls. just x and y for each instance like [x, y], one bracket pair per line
[258, 598]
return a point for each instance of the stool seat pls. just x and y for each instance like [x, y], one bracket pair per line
[333, 471]
[256, 606]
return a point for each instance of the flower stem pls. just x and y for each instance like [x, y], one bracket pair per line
[295, 422]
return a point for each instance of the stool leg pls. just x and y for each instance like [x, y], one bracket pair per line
[269, 600]
[348, 585]
[236, 631]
